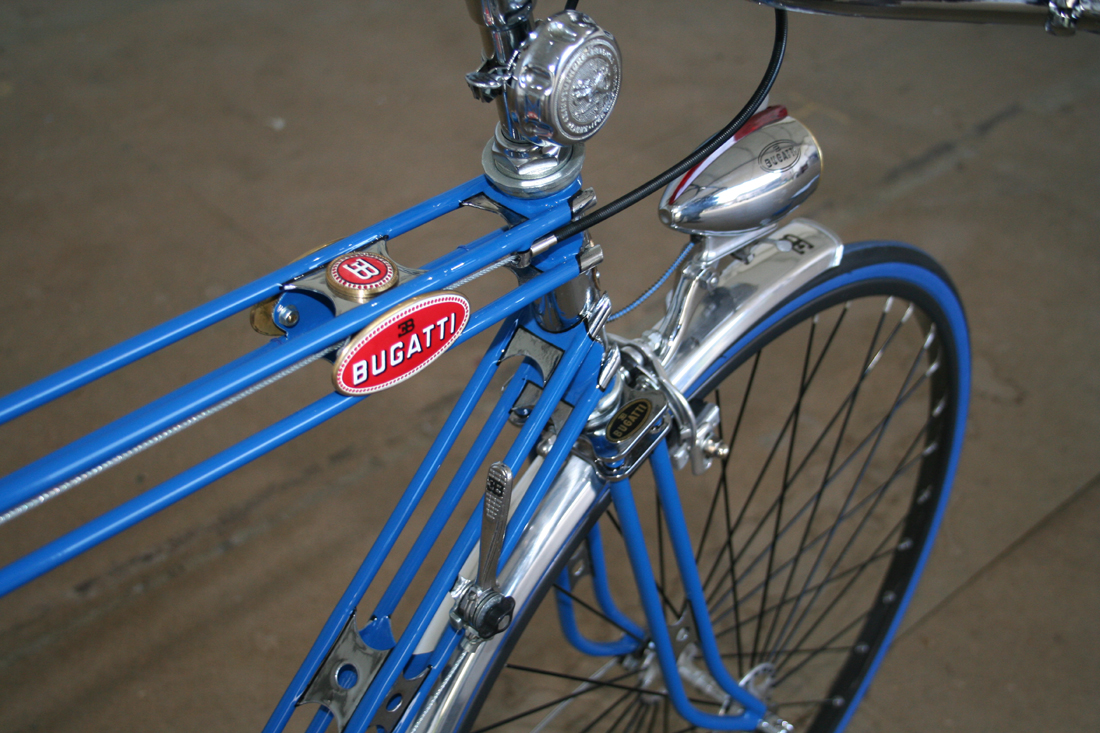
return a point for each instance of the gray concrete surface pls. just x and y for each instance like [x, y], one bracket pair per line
[155, 154]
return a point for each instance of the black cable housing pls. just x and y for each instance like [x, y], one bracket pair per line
[716, 141]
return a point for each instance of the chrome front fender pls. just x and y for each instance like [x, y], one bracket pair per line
[725, 305]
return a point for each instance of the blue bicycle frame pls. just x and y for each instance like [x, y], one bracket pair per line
[572, 381]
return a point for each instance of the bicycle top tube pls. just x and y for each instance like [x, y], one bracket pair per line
[35, 481]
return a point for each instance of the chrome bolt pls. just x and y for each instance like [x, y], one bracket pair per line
[716, 449]
[286, 316]
[546, 442]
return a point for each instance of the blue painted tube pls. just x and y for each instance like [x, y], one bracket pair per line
[603, 589]
[455, 491]
[399, 656]
[563, 445]
[91, 534]
[320, 721]
[392, 529]
[678, 536]
[647, 588]
[128, 431]
[548, 402]
[568, 621]
[111, 523]
[137, 347]
[549, 471]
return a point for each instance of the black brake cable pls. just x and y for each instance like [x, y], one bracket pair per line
[700, 154]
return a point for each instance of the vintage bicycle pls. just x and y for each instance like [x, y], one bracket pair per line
[821, 387]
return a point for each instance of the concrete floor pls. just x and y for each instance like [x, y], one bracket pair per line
[156, 154]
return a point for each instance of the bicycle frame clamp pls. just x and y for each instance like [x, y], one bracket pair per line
[350, 654]
[482, 610]
[338, 286]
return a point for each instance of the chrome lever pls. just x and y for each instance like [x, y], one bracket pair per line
[494, 522]
[483, 611]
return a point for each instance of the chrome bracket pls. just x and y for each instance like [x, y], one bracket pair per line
[582, 200]
[397, 701]
[622, 442]
[682, 633]
[759, 680]
[482, 202]
[488, 82]
[683, 415]
[589, 256]
[545, 355]
[317, 282]
[1062, 16]
[596, 318]
[580, 564]
[685, 645]
[609, 367]
[349, 651]
[526, 402]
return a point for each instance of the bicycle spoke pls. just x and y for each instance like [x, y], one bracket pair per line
[835, 579]
[848, 627]
[872, 362]
[549, 717]
[783, 492]
[832, 604]
[839, 595]
[597, 612]
[843, 517]
[611, 684]
[626, 711]
[879, 430]
[596, 685]
[774, 448]
[607, 711]
[825, 476]
[730, 444]
[830, 446]
[858, 481]
[812, 650]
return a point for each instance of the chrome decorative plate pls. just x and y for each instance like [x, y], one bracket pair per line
[565, 81]
[588, 90]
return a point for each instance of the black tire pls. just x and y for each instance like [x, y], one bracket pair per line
[844, 411]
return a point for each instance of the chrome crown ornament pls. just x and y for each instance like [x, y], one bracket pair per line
[751, 182]
[564, 82]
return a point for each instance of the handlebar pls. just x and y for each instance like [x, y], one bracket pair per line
[1060, 17]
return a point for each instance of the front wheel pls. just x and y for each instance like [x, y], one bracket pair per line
[843, 411]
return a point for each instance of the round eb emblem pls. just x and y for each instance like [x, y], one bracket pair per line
[361, 276]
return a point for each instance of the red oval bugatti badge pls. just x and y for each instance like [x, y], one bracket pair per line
[400, 343]
[361, 276]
